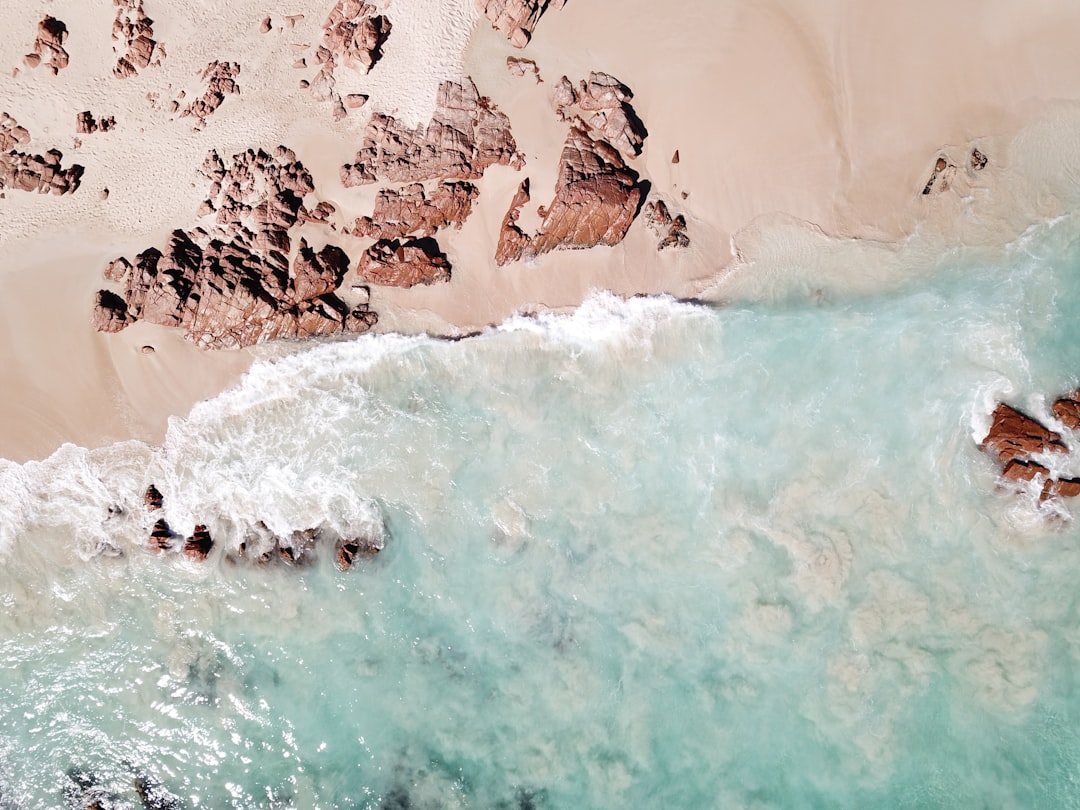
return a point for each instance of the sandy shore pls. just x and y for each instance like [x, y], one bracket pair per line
[793, 121]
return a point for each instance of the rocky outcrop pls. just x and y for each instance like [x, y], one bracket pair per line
[198, 546]
[516, 19]
[161, 536]
[353, 37]
[520, 67]
[466, 135]
[602, 103]
[395, 264]
[86, 124]
[411, 212]
[513, 242]
[26, 172]
[133, 40]
[49, 46]
[1015, 435]
[671, 230]
[350, 549]
[232, 283]
[1067, 410]
[220, 81]
[153, 499]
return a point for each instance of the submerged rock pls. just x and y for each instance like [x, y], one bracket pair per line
[153, 499]
[198, 546]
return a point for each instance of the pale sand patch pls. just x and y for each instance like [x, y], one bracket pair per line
[794, 120]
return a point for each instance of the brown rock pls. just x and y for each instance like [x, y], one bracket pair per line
[1017, 470]
[198, 546]
[605, 102]
[133, 40]
[516, 19]
[11, 134]
[110, 312]
[978, 160]
[354, 101]
[233, 285]
[1061, 488]
[161, 536]
[86, 124]
[153, 498]
[671, 230]
[675, 157]
[596, 198]
[354, 35]
[49, 46]
[1015, 435]
[391, 263]
[519, 66]
[220, 78]
[1067, 411]
[409, 211]
[265, 25]
[293, 19]
[466, 135]
[349, 549]
[26, 172]
[512, 240]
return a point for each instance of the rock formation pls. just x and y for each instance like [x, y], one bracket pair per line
[603, 104]
[26, 172]
[1067, 410]
[233, 284]
[198, 546]
[353, 37]
[1014, 435]
[349, 549]
[220, 79]
[671, 230]
[86, 124]
[392, 263]
[519, 66]
[161, 536]
[513, 241]
[516, 19]
[133, 40]
[465, 136]
[49, 46]
[410, 211]
[153, 499]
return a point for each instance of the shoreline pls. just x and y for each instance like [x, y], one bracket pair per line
[805, 135]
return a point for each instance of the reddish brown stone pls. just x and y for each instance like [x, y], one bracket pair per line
[513, 241]
[671, 230]
[161, 536]
[391, 263]
[49, 46]
[1067, 410]
[220, 79]
[1016, 435]
[349, 549]
[153, 499]
[516, 19]
[198, 546]
[133, 40]
[410, 211]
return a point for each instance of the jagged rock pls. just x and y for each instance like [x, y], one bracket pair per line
[355, 34]
[110, 312]
[232, 285]
[466, 135]
[941, 177]
[512, 240]
[675, 157]
[978, 160]
[410, 211]
[293, 19]
[40, 173]
[1067, 410]
[161, 536]
[605, 101]
[1061, 488]
[596, 198]
[1014, 435]
[153, 499]
[349, 549]
[85, 123]
[11, 134]
[133, 40]
[354, 101]
[298, 546]
[516, 19]
[671, 230]
[220, 78]
[265, 25]
[49, 46]
[391, 263]
[198, 546]
[320, 213]
[519, 66]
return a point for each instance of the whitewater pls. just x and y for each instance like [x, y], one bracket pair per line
[652, 553]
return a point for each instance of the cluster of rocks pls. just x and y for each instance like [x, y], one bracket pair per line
[392, 263]
[28, 172]
[597, 195]
[466, 135]
[233, 284]
[48, 47]
[944, 172]
[133, 40]
[411, 211]
[1014, 438]
[520, 67]
[353, 36]
[220, 81]
[259, 544]
[86, 124]
[516, 19]
[670, 229]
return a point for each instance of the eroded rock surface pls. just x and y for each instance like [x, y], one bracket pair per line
[466, 135]
[23, 171]
[353, 37]
[516, 19]
[1067, 410]
[232, 283]
[220, 81]
[49, 46]
[602, 103]
[1015, 435]
[409, 211]
[86, 124]
[513, 242]
[198, 546]
[519, 66]
[670, 229]
[133, 40]
[396, 264]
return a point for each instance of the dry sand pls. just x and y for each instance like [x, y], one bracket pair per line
[795, 121]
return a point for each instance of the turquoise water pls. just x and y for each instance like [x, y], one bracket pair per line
[652, 554]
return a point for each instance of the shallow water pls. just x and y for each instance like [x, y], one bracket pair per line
[648, 555]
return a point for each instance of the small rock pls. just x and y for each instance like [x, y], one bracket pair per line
[153, 498]
[147, 349]
[266, 25]
[978, 160]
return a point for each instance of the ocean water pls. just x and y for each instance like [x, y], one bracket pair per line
[652, 554]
